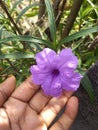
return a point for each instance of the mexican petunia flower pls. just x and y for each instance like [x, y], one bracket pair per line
[56, 72]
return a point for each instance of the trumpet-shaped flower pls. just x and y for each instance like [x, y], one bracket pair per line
[56, 72]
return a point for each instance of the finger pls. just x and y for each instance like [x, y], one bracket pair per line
[6, 89]
[68, 117]
[26, 90]
[52, 109]
[68, 94]
[39, 101]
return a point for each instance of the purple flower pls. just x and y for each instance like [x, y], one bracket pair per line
[56, 72]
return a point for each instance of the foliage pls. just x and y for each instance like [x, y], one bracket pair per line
[23, 34]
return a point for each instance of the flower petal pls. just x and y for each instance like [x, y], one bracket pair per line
[52, 86]
[45, 56]
[72, 83]
[68, 59]
[38, 75]
[66, 72]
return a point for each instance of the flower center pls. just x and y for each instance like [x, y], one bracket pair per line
[55, 72]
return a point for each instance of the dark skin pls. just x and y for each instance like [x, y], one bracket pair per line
[28, 108]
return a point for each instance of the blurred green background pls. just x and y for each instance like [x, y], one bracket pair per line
[28, 26]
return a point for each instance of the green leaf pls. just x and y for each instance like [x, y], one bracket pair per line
[15, 5]
[78, 43]
[88, 87]
[0, 33]
[25, 10]
[86, 11]
[51, 18]
[28, 39]
[79, 34]
[17, 55]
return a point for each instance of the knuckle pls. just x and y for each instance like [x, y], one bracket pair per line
[53, 109]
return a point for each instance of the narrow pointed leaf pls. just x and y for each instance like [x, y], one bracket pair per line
[88, 87]
[15, 5]
[51, 18]
[25, 10]
[79, 34]
[17, 55]
[27, 39]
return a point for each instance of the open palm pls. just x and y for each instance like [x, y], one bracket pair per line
[28, 108]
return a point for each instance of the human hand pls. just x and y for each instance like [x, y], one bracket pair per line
[28, 108]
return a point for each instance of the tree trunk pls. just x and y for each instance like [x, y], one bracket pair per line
[72, 16]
